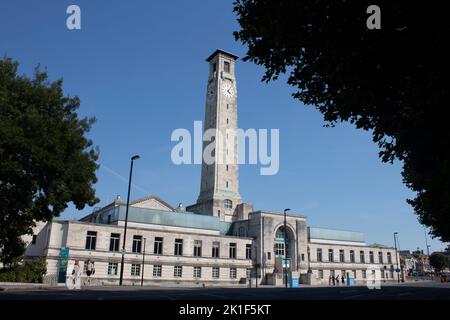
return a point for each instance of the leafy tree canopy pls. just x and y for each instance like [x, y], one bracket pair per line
[391, 81]
[439, 261]
[45, 159]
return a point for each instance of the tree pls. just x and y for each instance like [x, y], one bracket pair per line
[439, 261]
[45, 159]
[390, 81]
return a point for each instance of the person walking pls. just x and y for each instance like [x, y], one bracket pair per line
[329, 280]
[90, 270]
[343, 279]
[74, 281]
[337, 280]
[334, 280]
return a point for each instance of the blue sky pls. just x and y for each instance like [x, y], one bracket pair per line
[139, 68]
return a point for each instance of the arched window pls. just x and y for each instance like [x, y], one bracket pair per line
[280, 233]
[228, 203]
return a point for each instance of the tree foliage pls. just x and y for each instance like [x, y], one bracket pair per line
[391, 81]
[45, 159]
[439, 261]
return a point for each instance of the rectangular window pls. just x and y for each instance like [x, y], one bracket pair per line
[341, 256]
[215, 249]
[178, 271]
[269, 256]
[382, 274]
[233, 273]
[135, 269]
[371, 257]
[112, 268]
[362, 257]
[364, 275]
[352, 256]
[320, 274]
[332, 273]
[354, 274]
[157, 270]
[114, 242]
[226, 66]
[33, 240]
[91, 240]
[158, 247]
[389, 258]
[380, 257]
[343, 273]
[319, 255]
[197, 248]
[137, 244]
[197, 272]
[248, 251]
[214, 67]
[215, 272]
[233, 250]
[178, 251]
[330, 255]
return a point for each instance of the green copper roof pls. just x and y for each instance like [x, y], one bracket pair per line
[334, 234]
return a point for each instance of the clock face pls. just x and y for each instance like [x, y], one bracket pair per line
[228, 89]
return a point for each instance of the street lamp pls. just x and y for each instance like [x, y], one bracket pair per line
[396, 257]
[309, 260]
[285, 250]
[135, 157]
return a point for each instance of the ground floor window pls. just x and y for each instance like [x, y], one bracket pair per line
[215, 272]
[157, 270]
[332, 273]
[178, 271]
[320, 274]
[364, 275]
[233, 273]
[135, 269]
[197, 272]
[112, 268]
[354, 274]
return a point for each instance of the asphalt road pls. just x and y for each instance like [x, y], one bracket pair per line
[427, 291]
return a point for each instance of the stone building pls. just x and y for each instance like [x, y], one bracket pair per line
[219, 240]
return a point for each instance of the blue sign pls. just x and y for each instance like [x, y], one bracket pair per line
[294, 283]
[397, 270]
[350, 281]
[62, 264]
[286, 263]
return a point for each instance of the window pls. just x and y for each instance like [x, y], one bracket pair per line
[343, 273]
[352, 256]
[226, 66]
[137, 244]
[382, 274]
[303, 257]
[269, 256]
[332, 273]
[380, 257]
[215, 249]
[114, 242]
[364, 275]
[112, 268]
[248, 251]
[233, 273]
[330, 255]
[91, 239]
[178, 271]
[197, 272]
[279, 249]
[362, 257]
[389, 258]
[320, 274]
[33, 240]
[214, 67]
[233, 250]
[354, 274]
[341, 256]
[158, 247]
[215, 272]
[319, 255]
[227, 121]
[157, 270]
[178, 247]
[227, 167]
[197, 248]
[227, 106]
[371, 257]
[135, 269]
[227, 184]
[228, 203]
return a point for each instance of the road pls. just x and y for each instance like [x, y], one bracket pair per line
[405, 291]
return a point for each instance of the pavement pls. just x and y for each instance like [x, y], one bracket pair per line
[388, 291]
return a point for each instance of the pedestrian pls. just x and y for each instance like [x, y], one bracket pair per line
[337, 280]
[90, 270]
[74, 282]
[343, 279]
[329, 280]
[334, 280]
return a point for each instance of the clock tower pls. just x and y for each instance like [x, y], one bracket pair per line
[219, 185]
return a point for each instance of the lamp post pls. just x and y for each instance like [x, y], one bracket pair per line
[396, 256]
[135, 157]
[309, 260]
[143, 264]
[285, 250]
